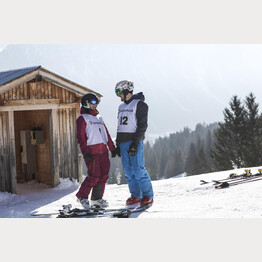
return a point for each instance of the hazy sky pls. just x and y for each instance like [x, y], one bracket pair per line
[183, 84]
[1, 47]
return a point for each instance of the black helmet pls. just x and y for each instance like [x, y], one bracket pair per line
[89, 99]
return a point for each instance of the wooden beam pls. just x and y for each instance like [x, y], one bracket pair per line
[11, 130]
[67, 142]
[54, 157]
[31, 102]
[6, 171]
[37, 107]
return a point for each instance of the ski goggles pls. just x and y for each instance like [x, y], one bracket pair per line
[94, 101]
[118, 92]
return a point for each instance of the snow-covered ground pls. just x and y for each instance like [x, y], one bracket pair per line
[159, 234]
[181, 197]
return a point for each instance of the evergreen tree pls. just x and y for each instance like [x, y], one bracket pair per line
[202, 165]
[170, 166]
[253, 139]
[151, 162]
[175, 165]
[209, 145]
[229, 148]
[259, 140]
[179, 163]
[189, 165]
[163, 159]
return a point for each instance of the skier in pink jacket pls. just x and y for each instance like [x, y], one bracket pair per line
[94, 140]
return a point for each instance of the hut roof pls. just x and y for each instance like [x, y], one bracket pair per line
[11, 77]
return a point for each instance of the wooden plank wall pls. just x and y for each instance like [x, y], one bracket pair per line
[39, 90]
[6, 153]
[67, 146]
[79, 153]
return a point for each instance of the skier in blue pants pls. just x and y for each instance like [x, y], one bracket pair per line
[132, 124]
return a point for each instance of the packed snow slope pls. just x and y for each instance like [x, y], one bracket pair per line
[182, 197]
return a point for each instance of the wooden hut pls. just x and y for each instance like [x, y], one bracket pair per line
[38, 110]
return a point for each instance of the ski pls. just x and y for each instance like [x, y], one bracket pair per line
[68, 212]
[80, 214]
[231, 176]
[119, 213]
[229, 184]
[67, 209]
[125, 213]
[203, 182]
[234, 177]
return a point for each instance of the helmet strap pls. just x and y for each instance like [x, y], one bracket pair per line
[87, 106]
[125, 93]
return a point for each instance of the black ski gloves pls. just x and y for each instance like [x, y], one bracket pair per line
[88, 157]
[133, 149]
[116, 152]
[113, 153]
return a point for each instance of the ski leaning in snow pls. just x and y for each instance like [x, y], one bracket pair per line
[67, 212]
[234, 177]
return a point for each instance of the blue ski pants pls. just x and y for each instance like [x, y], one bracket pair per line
[138, 179]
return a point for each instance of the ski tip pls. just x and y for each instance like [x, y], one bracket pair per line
[147, 205]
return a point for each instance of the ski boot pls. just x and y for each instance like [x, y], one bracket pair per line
[84, 202]
[99, 203]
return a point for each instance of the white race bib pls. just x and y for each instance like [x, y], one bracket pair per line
[95, 130]
[127, 122]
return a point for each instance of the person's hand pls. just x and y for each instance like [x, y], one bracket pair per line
[113, 153]
[118, 151]
[132, 149]
[88, 157]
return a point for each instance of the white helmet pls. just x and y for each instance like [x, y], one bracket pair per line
[124, 87]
